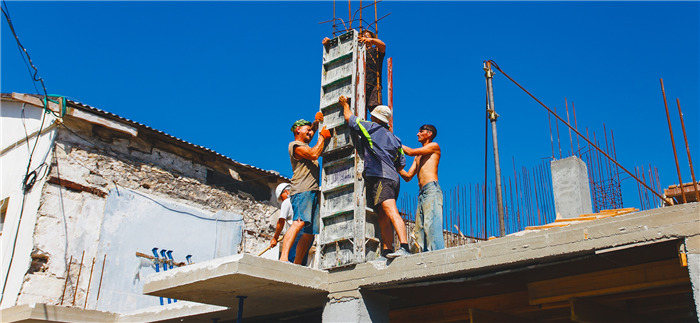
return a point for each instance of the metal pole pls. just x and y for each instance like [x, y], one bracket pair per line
[687, 148]
[493, 116]
[240, 308]
[673, 142]
[390, 90]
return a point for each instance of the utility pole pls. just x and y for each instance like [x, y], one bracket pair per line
[492, 115]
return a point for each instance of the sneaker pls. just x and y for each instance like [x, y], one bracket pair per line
[399, 253]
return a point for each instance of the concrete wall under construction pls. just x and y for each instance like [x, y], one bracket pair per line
[572, 194]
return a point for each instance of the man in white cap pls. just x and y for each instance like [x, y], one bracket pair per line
[383, 160]
[286, 217]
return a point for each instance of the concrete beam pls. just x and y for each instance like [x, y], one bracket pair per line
[692, 244]
[270, 285]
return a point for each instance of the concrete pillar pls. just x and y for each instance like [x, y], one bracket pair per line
[572, 194]
[356, 307]
[692, 244]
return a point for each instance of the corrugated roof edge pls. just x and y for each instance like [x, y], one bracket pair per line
[110, 115]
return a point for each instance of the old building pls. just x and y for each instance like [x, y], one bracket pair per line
[102, 188]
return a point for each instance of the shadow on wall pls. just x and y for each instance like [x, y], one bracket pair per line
[136, 222]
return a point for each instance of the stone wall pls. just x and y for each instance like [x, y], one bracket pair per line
[89, 161]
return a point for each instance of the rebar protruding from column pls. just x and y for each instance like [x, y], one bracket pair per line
[690, 161]
[493, 116]
[673, 142]
[80, 270]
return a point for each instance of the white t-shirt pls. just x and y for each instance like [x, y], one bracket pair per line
[286, 212]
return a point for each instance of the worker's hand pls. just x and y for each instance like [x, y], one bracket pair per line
[319, 116]
[326, 40]
[364, 40]
[273, 243]
[343, 101]
[325, 133]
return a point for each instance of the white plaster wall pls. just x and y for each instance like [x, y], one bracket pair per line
[13, 164]
[137, 222]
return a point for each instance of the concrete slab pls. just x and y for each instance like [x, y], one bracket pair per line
[181, 311]
[519, 250]
[35, 313]
[271, 286]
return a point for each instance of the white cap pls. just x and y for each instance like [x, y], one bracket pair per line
[280, 189]
[382, 112]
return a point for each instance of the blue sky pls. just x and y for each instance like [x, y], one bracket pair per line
[233, 76]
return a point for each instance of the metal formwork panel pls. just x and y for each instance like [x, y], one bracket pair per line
[349, 231]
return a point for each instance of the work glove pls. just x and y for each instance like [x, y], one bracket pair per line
[325, 133]
[319, 116]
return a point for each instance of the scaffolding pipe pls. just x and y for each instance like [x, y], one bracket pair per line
[493, 116]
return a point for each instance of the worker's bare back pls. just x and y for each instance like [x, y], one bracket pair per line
[428, 165]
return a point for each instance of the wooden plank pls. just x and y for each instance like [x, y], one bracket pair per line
[547, 226]
[586, 311]
[459, 310]
[76, 186]
[655, 274]
[34, 101]
[480, 316]
[94, 119]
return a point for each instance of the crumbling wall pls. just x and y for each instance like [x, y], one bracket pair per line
[89, 161]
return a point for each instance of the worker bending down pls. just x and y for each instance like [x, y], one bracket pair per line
[383, 159]
[305, 193]
[428, 229]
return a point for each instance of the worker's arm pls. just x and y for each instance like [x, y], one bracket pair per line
[278, 230]
[312, 153]
[408, 175]
[381, 46]
[346, 108]
[430, 148]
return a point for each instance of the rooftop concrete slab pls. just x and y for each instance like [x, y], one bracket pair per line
[271, 286]
[523, 249]
[181, 311]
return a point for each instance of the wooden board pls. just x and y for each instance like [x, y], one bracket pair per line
[655, 274]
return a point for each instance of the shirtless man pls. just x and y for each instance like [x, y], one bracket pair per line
[428, 228]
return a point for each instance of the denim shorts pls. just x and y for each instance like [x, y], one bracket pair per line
[305, 207]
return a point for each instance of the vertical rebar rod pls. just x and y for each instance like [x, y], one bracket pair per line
[617, 169]
[558, 140]
[571, 140]
[551, 138]
[70, 262]
[517, 197]
[80, 270]
[390, 89]
[639, 191]
[99, 287]
[349, 15]
[658, 182]
[578, 147]
[690, 160]
[87, 293]
[673, 142]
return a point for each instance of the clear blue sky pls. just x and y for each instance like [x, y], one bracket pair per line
[233, 76]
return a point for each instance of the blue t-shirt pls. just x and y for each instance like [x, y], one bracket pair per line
[382, 149]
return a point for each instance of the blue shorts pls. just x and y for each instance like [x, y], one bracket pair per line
[305, 207]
